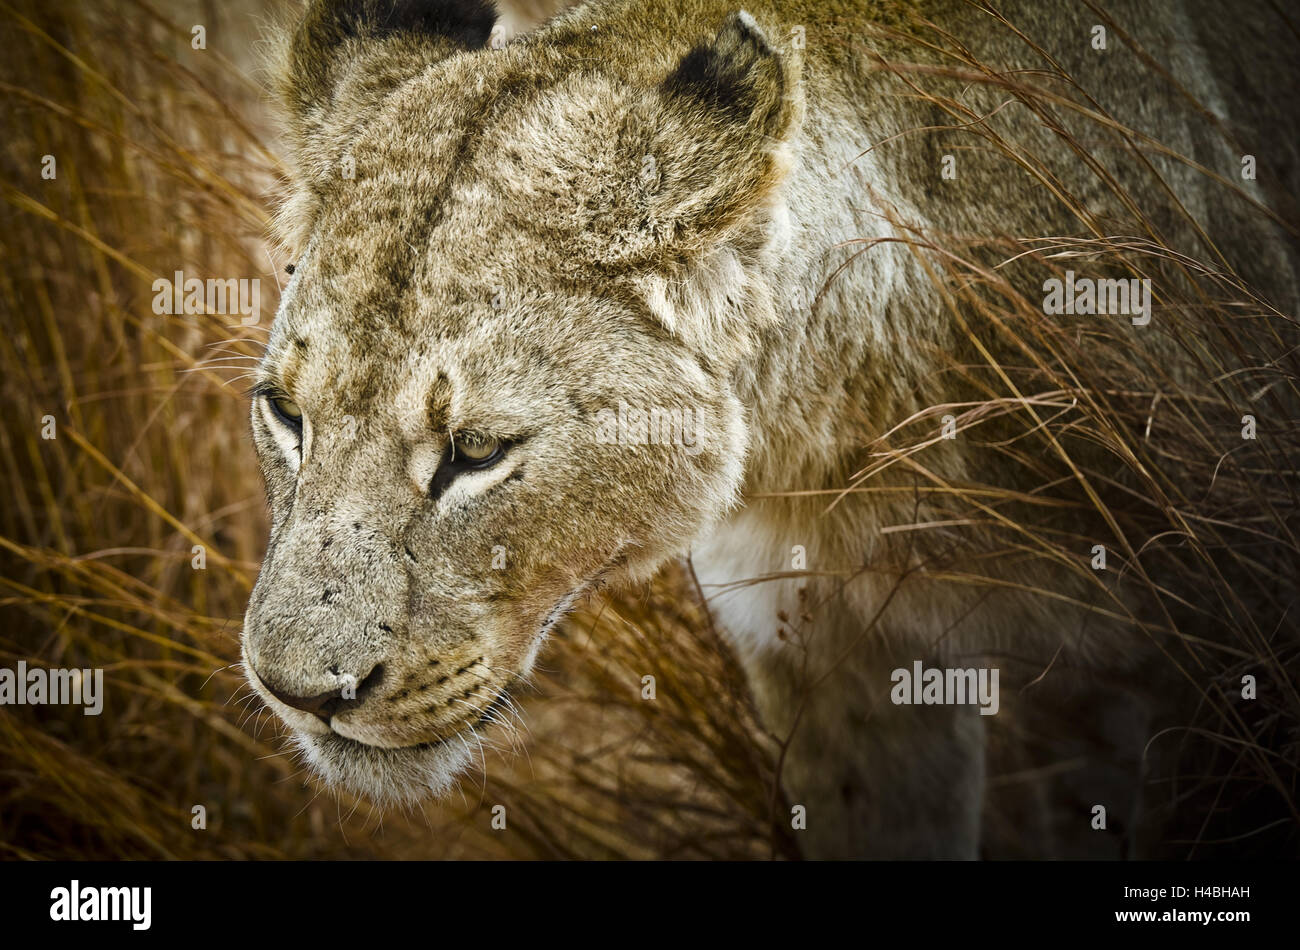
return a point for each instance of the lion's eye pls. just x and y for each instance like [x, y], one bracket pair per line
[477, 449]
[468, 452]
[287, 410]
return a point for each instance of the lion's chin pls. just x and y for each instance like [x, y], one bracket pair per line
[387, 777]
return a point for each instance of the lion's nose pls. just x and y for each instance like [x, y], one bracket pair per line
[327, 705]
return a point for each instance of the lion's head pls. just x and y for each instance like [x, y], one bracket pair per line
[505, 370]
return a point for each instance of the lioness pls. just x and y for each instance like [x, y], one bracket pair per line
[654, 279]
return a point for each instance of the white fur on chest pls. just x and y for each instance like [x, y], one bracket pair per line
[740, 567]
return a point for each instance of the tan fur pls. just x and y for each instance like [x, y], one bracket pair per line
[504, 261]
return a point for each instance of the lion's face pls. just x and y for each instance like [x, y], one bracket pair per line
[486, 391]
[446, 479]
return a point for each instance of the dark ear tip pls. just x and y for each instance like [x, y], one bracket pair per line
[725, 73]
[466, 22]
[739, 30]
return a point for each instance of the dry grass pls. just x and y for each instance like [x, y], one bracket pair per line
[164, 164]
[1098, 439]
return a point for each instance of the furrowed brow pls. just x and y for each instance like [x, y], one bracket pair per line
[439, 403]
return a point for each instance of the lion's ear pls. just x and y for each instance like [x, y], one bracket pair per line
[710, 145]
[346, 54]
[737, 79]
[704, 212]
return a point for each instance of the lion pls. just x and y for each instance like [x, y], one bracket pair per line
[579, 296]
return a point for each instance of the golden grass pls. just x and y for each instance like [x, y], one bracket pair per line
[165, 163]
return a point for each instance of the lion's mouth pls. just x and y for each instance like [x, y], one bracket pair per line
[468, 726]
